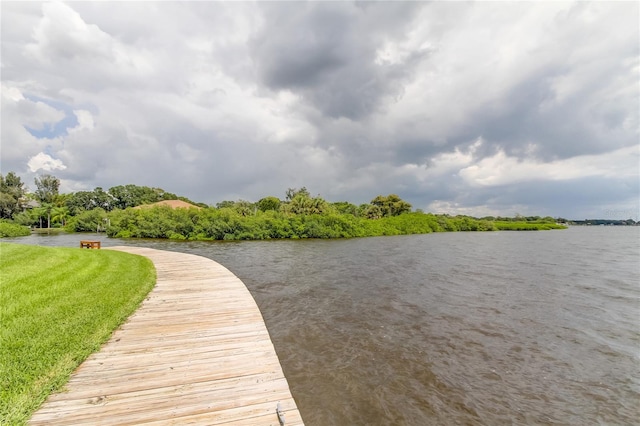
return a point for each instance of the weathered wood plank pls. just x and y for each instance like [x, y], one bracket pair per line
[193, 400]
[195, 352]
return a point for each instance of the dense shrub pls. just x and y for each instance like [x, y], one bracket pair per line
[228, 223]
[8, 229]
[88, 221]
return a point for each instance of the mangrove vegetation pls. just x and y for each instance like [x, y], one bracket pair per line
[131, 211]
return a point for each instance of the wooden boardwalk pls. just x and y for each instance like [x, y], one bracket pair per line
[195, 352]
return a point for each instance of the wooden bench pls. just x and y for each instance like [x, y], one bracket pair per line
[89, 244]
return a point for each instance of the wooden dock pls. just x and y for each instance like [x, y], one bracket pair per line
[195, 352]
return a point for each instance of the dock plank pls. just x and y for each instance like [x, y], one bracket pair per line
[195, 352]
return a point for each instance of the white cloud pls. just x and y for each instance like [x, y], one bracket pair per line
[63, 43]
[501, 169]
[11, 93]
[85, 120]
[33, 114]
[18, 145]
[62, 33]
[45, 162]
[453, 208]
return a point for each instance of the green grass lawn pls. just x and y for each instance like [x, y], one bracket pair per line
[57, 306]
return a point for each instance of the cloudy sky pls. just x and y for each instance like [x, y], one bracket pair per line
[471, 108]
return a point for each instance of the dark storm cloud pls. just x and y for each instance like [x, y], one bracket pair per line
[580, 125]
[327, 53]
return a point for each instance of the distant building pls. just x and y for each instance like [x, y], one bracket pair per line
[31, 204]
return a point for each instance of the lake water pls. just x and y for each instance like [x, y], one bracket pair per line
[451, 328]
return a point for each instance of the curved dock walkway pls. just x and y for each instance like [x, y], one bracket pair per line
[195, 352]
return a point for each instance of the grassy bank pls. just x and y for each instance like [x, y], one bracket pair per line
[527, 226]
[58, 306]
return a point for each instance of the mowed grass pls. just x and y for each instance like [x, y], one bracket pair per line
[57, 306]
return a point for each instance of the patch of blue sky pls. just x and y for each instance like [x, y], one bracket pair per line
[60, 128]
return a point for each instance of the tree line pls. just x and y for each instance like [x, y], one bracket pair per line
[117, 211]
[46, 205]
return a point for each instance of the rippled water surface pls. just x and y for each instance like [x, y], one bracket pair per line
[453, 328]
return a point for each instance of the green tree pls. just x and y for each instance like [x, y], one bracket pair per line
[88, 200]
[102, 199]
[8, 206]
[47, 187]
[12, 193]
[38, 214]
[371, 212]
[345, 207]
[161, 194]
[47, 208]
[80, 201]
[25, 218]
[294, 192]
[391, 205]
[225, 204]
[269, 203]
[60, 215]
[244, 208]
[88, 221]
[302, 203]
[133, 195]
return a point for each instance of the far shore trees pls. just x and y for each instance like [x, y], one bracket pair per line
[298, 215]
[89, 200]
[47, 187]
[133, 195]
